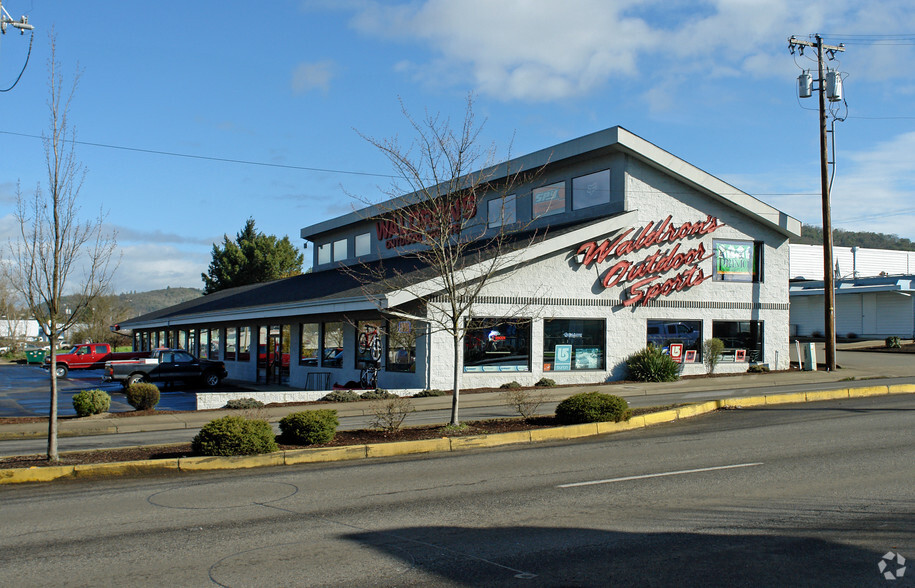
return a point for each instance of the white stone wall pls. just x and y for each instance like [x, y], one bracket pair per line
[652, 195]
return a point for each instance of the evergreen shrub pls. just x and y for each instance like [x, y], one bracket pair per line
[235, 435]
[592, 407]
[545, 383]
[142, 396]
[89, 402]
[430, 393]
[893, 342]
[377, 394]
[244, 403]
[341, 396]
[510, 385]
[652, 365]
[309, 427]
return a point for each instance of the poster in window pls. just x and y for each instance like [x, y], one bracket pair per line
[562, 361]
[735, 261]
[587, 358]
[690, 356]
[549, 200]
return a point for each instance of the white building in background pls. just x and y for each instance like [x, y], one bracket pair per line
[874, 292]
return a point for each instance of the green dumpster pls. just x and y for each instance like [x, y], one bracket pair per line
[35, 355]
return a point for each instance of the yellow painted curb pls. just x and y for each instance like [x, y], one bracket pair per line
[827, 395]
[562, 433]
[324, 454]
[407, 447]
[665, 416]
[611, 427]
[476, 441]
[230, 463]
[34, 474]
[745, 401]
[685, 412]
[792, 398]
[126, 468]
[900, 389]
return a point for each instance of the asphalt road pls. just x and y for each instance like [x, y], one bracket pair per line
[814, 494]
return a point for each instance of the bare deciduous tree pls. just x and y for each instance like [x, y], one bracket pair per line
[447, 254]
[54, 245]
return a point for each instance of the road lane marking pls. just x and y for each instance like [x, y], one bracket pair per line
[660, 475]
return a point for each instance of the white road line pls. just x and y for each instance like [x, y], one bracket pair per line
[662, 474]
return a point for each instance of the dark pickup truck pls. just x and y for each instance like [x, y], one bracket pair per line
[165, 365]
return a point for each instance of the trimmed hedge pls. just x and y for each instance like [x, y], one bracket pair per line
[431, 393]
[377, 394]
[309, 427]
[341, 396]
[235, 435]
[592, 407]
[545, 383]
[89, 402]
[244, 403]
[652, 365]
[142, 396]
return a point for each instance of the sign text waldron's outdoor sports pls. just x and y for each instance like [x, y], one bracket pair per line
[419, 223]
[639, 274]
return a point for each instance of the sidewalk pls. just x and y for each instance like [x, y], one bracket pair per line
[855, 366]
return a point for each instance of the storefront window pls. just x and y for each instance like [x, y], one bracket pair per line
[192, 341]
[333, 345]
[214, 344]
[401, 346]
[340, 252]
[368, 342]
[737, 261]
[497, 345]
[204, 344]
[573, 344]
[591, 190]
[244, 344]
[231, 335]
[687, 334]
[501, 211]
[549, 200]
[309, 343]
[743, 340]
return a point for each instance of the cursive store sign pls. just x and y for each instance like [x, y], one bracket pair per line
[642, 272]
[426, 221]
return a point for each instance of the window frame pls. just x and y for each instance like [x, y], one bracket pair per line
[579, 179]
[574, 358]
[755, 275]
[491, 324]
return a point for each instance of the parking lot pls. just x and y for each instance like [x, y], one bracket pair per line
[24, 391]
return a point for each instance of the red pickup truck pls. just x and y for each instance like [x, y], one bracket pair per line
[89, 356]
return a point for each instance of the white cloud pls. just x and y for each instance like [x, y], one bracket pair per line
[150, 267]
[313, 76]
[542, 51]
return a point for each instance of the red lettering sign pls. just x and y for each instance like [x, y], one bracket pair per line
[643, 274]
[416, 224]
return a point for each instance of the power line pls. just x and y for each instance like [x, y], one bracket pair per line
[210, 158]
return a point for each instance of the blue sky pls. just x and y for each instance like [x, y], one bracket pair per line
[290, 84]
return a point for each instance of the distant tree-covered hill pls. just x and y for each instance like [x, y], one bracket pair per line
[813, 235]
[141, 303]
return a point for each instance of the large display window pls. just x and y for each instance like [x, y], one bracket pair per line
[743, 340]
[231, 339]
[244, 344]
[549, 200]
[573, 344]
[497, 345]
[591, 190]
[333, 345]
[686, 334]
[309, 343]
[402, 336]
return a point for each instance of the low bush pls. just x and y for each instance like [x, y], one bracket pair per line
[377, 394]
[851, 336]
[309, 427]
[389, 415]
[235, 435]
[592, 407]
[430, 393]
[142, 396]
[89, 402]
[525, 401]
[758, 369]
[341, 396]
[510, 386]
[711, 354]
[893, 342]
[545, 383]
[244, 403]
[652, 365]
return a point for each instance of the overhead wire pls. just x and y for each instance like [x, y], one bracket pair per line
[24, 65]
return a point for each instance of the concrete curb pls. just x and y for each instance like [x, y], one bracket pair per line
[442, 445]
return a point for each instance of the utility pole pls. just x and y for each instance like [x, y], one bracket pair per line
[829, 294]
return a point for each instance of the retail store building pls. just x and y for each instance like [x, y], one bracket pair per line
[634, 246]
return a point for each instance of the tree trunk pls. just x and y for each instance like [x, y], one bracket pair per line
[456, 388]
[52, 413]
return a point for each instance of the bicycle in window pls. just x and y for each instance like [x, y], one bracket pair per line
[370, 345]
